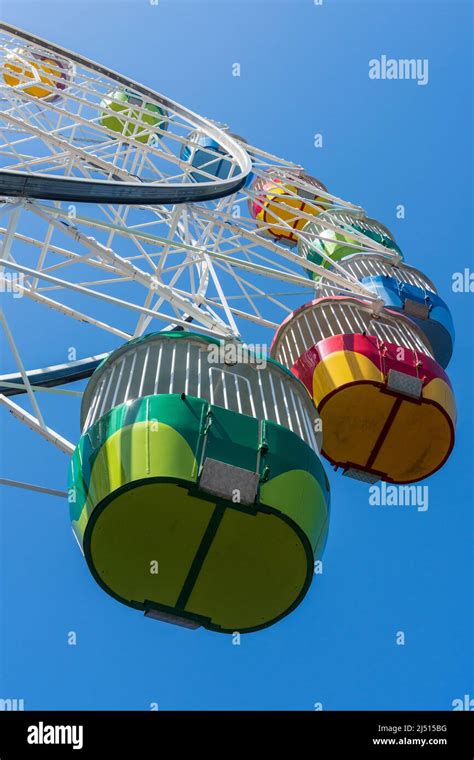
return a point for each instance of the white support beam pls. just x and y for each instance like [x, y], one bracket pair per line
[215, 329]
[136, 274]
[31, 487]
[20, 366]
[48, 433]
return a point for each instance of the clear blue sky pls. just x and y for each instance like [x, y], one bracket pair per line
[304, 69]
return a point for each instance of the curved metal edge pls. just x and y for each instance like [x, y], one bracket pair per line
[51, 377]
[39, 186]
[179, 193]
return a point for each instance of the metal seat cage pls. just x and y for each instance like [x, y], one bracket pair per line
[340, 316]
[362, 265]
[350, 218]
[161, 364]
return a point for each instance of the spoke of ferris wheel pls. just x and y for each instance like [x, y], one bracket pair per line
[293, 279]
[120, 214]
[126, 231]
[270, 159]
[212, 329]
[144, 278]
[12, 149]
[172, 284]
[162, 217]
[177, 214]
[246, 285]
[239, 280]
[84, 166]
[19, 146]
[222, 207]
[264, 294]
[21, 368]
[182, 228]
[43, 253]
[131, 236]
[168, 244]
[248, 249]
[278, 249]
[239, 264]
[68, 150]
[222, 297]
[73, 313]
[137, 230]
[86, 283]
[34, 424]
[284, 226]
[203, 300]
[203, 242]
[256, 318]
[141, 322]
[50, 137]
[265, 271]
[70, 256]
[345, 283]
[335, 266]
[243, 284]
[31, 487]
[339, 279]
[132, 233]
[41, 389]
[15, 209]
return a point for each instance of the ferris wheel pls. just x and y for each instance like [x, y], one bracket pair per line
[197, 492]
